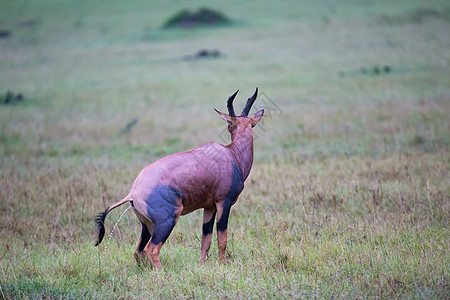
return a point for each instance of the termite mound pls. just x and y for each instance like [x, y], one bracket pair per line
[203, 17]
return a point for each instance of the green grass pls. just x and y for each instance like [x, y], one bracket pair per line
[349, 192]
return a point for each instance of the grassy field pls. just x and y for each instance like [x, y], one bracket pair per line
[349, 192]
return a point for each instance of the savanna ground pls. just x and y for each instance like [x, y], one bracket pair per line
[349, 192]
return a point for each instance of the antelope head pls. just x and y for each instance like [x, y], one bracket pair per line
[239, 125]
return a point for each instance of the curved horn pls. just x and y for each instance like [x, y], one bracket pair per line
[230, 104]
[249, 104]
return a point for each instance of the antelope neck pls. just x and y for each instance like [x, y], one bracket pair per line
[242, 149]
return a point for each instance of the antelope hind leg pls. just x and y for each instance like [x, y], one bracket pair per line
[146, 235]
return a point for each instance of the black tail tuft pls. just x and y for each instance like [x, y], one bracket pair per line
[100, 223]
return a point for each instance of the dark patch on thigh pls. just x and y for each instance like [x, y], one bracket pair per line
[237, 184]
[162, 231]
[161, 209]
[162, 203]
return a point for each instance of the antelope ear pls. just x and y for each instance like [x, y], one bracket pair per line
[257, 117]
[224, 116]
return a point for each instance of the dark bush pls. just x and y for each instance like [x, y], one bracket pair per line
[4, 34]
[204, 17]
[11, 98]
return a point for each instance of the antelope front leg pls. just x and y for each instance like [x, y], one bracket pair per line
[222, 243]
[223, 212]
[208, 224]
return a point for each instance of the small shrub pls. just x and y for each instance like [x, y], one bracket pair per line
[5, 34]
[200, 18]
[11, 98]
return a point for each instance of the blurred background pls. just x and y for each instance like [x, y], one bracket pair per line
[334, 69]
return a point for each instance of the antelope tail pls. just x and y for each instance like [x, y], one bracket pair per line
[100, 218]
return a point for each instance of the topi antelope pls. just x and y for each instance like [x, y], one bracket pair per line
[210, 177]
